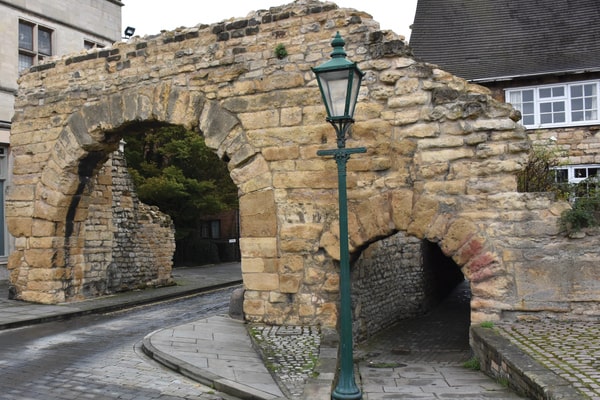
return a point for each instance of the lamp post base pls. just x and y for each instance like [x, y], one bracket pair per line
[336, 395]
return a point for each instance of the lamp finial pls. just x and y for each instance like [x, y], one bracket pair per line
[338, 44]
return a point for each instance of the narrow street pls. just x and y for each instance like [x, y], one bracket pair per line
[98, 357]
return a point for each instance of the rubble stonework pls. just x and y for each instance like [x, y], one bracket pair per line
[122, 244]
[441, 163]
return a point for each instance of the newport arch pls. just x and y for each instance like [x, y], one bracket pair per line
[441, 163]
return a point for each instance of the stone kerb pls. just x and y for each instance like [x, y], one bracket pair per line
[441, 152]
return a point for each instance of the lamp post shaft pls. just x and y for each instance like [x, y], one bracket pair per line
[346, 388]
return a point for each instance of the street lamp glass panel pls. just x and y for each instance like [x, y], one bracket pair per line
[340, 90]
[334, 85]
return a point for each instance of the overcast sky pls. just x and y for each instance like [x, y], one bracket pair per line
[150, 17]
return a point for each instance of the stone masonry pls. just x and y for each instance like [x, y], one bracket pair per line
[440, 166]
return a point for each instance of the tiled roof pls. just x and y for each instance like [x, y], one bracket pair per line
[492, 39]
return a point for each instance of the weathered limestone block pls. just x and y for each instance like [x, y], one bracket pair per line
[424, 212]
[253, 176]
[255, 247]
[258, 214]
[250, 265]
[290, 283]
[261, 282]
[280, 153]
[402, 208]
[299, 238]
[254, 308]
[445, 155]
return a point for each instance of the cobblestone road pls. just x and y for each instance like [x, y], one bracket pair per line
[99, 358]
[290, 352]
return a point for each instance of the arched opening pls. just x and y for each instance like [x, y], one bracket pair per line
[172, 168]
[402, 278]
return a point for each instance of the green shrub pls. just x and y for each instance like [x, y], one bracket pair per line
[585, 213]
[538, 174]
[280, 51]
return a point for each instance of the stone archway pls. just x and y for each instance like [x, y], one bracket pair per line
[441, 161]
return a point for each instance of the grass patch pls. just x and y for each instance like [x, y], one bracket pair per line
[472, 364]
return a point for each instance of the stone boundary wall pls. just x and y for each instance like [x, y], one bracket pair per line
[144, 237]
[504, 361]
[126, 244]
[388, 284]
[440, 164]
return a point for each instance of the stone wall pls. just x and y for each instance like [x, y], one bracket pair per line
[388, 284]
[440, 166]
[122, 244]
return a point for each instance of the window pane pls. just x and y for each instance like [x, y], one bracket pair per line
[528, 108]
[44, 41]
[215, 229]
[25, 36]
[528, 120]
[590, 103]
[558, 106]
[558, 91]
[545, 93]
[514, 98]
[576, 91]
[580, 172]
[590, 90]
[577, 116]
[546, 118]
[559, 117]
[527, 95]
[593, 171]
[25, 61]
[591, 115]
[562, 175]
[577, 104]
[545, 107]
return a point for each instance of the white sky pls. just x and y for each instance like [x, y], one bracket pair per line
[150, 17]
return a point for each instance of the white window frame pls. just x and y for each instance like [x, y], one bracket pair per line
[579, 172]
[35, 53]
[589, 106]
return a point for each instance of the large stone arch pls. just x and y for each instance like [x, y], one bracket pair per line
[441, 162]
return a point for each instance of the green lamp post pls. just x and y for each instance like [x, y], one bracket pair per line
[339, 81]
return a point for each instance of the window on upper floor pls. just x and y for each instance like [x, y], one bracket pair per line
[550, 106]
[35, 43]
